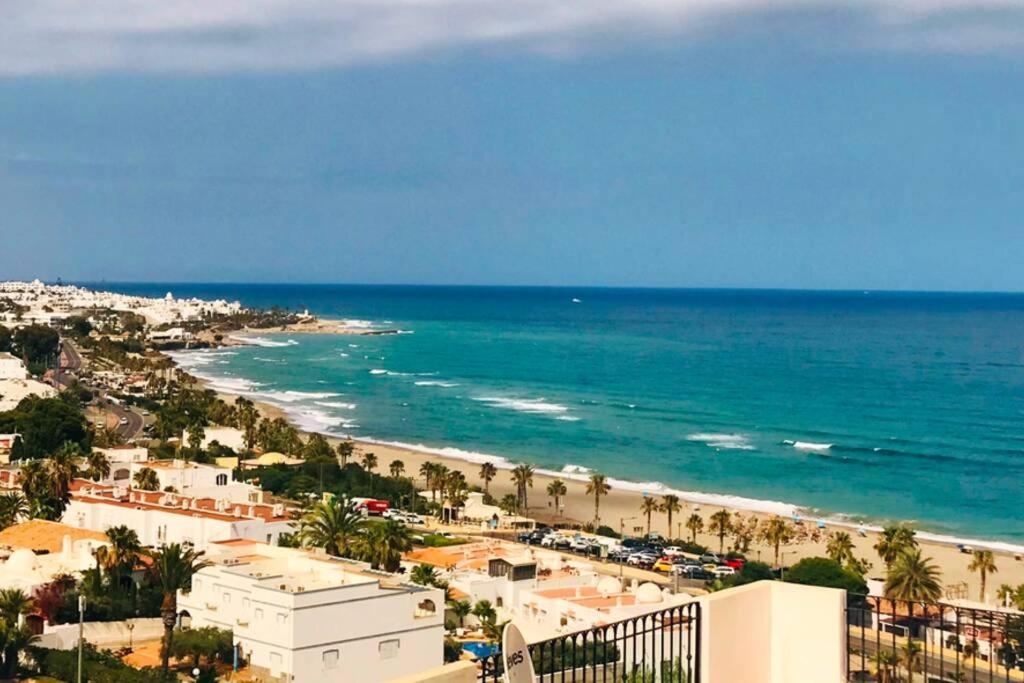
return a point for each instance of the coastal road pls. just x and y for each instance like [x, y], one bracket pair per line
[134, 422]
[70, 359]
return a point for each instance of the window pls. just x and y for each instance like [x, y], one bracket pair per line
[388, 649]
[245, 603]
[499, 602]
[259, 612]
[427, 608]
[227, 598]
[330, 659]
[281, 617]
[222, 480]
[275, 662]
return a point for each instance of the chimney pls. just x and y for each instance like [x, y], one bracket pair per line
[65, 546]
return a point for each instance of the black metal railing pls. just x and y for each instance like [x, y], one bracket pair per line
[660, 647]
[917, 642]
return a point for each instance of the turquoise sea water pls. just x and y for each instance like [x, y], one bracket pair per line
[870, 405]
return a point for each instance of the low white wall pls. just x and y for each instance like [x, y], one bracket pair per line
[102, 634]
[773, 632]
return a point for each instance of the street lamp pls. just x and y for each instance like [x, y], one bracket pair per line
[131, 628]
[622, 537]
[782, 566]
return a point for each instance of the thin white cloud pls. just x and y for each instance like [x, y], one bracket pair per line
[61, 36]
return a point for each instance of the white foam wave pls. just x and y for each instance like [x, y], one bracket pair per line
[359, 324]
[435, 383]
[725, 442]
[523, 405]
[390, 373]
[269, 360]
[264, 342]
[336, 404]
[232, 385]
[576, 469]
[807, 445]
[296, 396]
[378, 371]
[568, 418]
[344, 355]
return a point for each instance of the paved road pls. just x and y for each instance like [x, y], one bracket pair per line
[70, 359]
[133, 427]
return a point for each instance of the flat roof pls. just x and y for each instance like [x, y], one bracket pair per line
[42, 535]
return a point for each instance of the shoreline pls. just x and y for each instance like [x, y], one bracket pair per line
[623, 501]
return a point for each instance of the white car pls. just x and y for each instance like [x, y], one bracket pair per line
[413, 518]
[548, 540]
[392, 513]
[723, 571]
[673, 550]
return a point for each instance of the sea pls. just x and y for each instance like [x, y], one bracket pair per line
[858, 407]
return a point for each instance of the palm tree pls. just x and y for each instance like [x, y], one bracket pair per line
[972, 650]
[670, 505]
[1005, 595]
[886, 661]
[839, 547]
[461, 609]
[522, 477]
[893, 540]
[369, 462]
[775, 532]
[721, 524]
[485, 612]
[146, 479]
[397, 468]
[172, 570]
[246, 419]
[121, 554]
[557, 489]
[14, 636]
[331, 525]
[648, 506]
[910, 653]
[509, 504]
[345, 450]
[63, 467]
[597, 486]
[914, 578]
[424, 575]
[427, 471]
[695, 524]
[97, 465]
[488, 472]
[13, 508]
[383, 545]
[983, 562]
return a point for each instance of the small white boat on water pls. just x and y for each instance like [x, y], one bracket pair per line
[577, 301]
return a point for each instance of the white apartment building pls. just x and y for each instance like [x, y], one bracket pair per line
[198, 480]
[303, 617]
[34, 552]
[11, 367]
[13, 391]
[160, 517]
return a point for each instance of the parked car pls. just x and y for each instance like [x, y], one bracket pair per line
[736, 563]
[710, 558]
[562, 543]
[413, 518]
[723, 571]
[689, 571]
[643, 560]
[673, 550]
[664, 564]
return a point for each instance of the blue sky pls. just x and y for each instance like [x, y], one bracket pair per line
[660, 143]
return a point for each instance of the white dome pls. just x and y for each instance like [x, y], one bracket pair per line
[22, 560]
[648, 594]
[608, 585]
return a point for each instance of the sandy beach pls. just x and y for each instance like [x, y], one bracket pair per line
[621, 509]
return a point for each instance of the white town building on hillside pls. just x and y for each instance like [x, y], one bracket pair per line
[11, 367]
[160, 518]
[12, 391]
[304, 617]
[35, 552]
[199, 480]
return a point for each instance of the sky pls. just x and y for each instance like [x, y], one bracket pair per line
[692, 143]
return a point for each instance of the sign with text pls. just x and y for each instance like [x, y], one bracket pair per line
[518, 664]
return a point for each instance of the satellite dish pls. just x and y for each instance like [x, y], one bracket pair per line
[518, 663]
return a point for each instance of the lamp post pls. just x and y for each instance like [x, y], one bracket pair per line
[81, 628]
[782, 565]
[622, 537]
[131, 628]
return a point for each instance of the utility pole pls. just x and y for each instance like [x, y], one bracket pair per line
[81, 639]
[622, 537]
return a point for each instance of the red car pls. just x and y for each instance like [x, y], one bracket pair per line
[736, 563]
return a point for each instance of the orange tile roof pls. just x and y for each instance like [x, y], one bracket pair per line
[39, 535]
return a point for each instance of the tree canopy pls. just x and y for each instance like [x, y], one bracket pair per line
[822, 571]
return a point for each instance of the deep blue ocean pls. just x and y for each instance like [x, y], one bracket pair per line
[866, 405]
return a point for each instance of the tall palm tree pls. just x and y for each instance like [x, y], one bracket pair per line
[484, 611]
[775, 532]
[397, 468]
[122, 553]
[695, 525]
[246, 419]
[670, 505]
[97, 465]
[171, 570]
[14, 637]
[369, 462]
[63, 466]
[331, 524]
[37, 485]
[345, 451]
[893, 540]
[522, 477]
[427, 471]
[14, 603]
[983, 562]
[648, 506]
[598, 486]
[721, 525]
[1005, 595]
[488, 472]
[912, 577]
[886, 661]
[839, 547]
[461, 609]
[13, 508]
[146, 479]
[509, 504]
[383, 545]
[557, 489]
